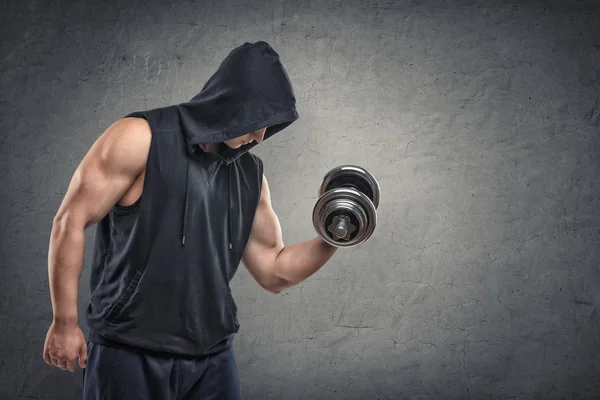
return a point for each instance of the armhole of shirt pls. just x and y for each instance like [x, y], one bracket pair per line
[120, 209]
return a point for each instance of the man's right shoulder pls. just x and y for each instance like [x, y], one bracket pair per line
[126, 139]
[130, 130]
[137, 124]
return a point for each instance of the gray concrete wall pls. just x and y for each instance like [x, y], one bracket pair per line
[480, 120]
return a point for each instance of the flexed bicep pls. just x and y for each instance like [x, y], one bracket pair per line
[265, 241]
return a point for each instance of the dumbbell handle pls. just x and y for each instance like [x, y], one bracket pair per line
[340, 230]
[341, 227]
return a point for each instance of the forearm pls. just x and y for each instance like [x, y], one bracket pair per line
[298, 261]
[65, 263]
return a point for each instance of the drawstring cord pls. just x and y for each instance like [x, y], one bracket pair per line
[186, 203]
[229, 207]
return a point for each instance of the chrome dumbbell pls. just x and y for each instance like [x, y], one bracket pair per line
[346, 213]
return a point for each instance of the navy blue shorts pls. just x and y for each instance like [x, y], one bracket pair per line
[115, 373]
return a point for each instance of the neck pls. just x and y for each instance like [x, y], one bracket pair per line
[211, 147]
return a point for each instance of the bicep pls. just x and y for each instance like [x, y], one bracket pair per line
[265, 241]
[104, 175]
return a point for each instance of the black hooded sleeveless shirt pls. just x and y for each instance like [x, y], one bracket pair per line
[162, 266]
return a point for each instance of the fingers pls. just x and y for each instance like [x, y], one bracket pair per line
[55, 362]
[60, 362]
[63, 347]
[66, 365]
[47, 357]
[70, 365]
[83, 355]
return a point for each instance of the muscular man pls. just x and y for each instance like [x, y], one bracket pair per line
[179, 202]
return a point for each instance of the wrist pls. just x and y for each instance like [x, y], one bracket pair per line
[326, 245]
[66, 320]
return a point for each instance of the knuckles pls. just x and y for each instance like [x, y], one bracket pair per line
[63, 355]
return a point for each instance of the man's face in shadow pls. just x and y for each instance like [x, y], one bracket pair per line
[237, 142]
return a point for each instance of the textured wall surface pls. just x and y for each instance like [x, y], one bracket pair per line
[480, 119]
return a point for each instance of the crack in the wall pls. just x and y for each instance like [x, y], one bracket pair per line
[465, 365]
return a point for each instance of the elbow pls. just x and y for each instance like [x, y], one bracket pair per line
[66, 222]
[272, 281]
[59, 222]
[273, 290]
[63, 216]
[277, 285]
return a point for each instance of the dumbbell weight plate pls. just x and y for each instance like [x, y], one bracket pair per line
[347, 204]
[351, 176]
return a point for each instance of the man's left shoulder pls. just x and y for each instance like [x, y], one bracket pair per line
[249, 159]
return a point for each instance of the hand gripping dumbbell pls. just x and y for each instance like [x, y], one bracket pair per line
[346, 213]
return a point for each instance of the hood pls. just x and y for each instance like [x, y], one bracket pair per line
[249, 91]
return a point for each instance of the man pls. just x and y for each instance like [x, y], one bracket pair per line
[179, 202]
